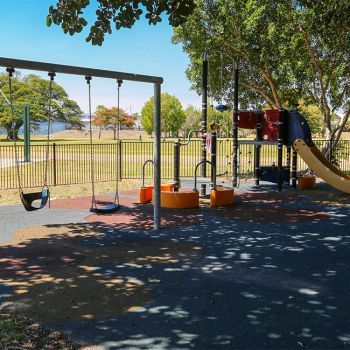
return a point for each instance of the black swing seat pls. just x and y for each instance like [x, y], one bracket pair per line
[105, 209]
[28, 199]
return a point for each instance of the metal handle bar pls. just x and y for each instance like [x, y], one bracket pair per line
[143, 170]
[213, 171]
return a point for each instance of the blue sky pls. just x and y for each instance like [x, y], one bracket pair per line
[143, 49]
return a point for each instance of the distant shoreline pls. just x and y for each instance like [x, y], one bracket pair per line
[42, 129]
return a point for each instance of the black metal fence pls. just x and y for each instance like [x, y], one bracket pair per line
[71, 163]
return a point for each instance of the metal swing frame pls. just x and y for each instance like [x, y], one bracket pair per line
[156, 81]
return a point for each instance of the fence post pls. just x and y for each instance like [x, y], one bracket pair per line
[54, 164]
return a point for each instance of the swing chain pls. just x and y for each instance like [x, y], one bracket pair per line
[92, 170]
[116, 196]
[47, 152]
[10, 72]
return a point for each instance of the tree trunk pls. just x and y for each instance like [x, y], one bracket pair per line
[12, 133]
[99, 134]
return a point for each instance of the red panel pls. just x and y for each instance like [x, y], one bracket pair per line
[246, 120]
[270, 125]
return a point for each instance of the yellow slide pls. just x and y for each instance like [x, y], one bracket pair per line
[322, 167]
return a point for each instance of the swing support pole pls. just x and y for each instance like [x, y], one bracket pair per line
[204, 119]
[235, 127]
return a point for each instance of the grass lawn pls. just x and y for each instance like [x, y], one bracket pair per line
[82, 137]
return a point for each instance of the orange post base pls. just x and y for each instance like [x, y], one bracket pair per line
[179, 200]
[307, 182]
[146, 192]
[222, 196]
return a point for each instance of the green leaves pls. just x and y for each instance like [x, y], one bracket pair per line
[121, 14]
[48, 21]
[172, 114]
[33, 91]
[288, 51]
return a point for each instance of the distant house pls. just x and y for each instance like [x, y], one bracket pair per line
[85, 119]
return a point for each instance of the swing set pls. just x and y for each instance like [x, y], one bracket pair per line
[28, 199]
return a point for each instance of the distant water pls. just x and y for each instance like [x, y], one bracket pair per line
[42, 130]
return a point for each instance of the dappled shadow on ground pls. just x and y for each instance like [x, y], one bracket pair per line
[55, 278]
[85, 202]
[276, 277]
[266, 197]
[271, 213]
[140, 217]
[267, 286]
[62, 230]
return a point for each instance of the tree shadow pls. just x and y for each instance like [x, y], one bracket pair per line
[228, 280]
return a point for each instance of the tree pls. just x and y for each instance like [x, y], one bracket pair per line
[101, 119]
[136, 117]
[109, 116]
[124, 119]
[34, 91]
[313, 116]
[324, 31]
[123, 14]
[287, 51]
[222, 119]
[193, 120]
[172, 115]
[75, 122]
[252, 33]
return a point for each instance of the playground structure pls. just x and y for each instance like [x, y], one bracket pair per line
[290, 129]
[172, 196]
[278, 127]
[273, 127]
[281, 128]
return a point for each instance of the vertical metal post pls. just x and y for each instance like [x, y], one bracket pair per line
[54, 164]
[204, 113]
[26, 134]
[280, 147]
[213, 159]
[294, 168]
[235, 128]
[257, 148]
[157, 157]
[177, 165]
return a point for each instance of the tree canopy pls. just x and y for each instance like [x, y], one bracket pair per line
[287, 51]
[109, 117]
[193, 120]
[34, 92]
[172, 115]
[120, 14]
